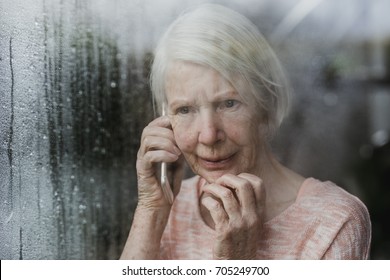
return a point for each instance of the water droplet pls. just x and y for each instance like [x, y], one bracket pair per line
[113, 84]
[380, 138]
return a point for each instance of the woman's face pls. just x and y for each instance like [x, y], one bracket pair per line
[215, 130]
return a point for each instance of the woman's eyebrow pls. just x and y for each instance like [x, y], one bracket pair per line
[179, 102]
[217, 97]
[222, 95]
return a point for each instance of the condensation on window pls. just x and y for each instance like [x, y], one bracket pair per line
[73, 105]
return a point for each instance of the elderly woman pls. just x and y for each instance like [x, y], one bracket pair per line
[226, 95]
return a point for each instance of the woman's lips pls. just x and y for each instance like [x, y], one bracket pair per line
[216, 163]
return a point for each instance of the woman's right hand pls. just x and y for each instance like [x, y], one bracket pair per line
[157, 145]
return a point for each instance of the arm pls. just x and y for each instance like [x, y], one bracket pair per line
[145, 234]
[151, 216]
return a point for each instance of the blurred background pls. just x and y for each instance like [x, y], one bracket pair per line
[74, 98]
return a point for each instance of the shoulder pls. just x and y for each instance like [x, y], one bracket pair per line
[331, 201]
[340, 220]
[340, 216]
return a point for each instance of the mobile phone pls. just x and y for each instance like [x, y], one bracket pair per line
[164, 177]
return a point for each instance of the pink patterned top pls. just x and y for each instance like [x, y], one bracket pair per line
[325, 222]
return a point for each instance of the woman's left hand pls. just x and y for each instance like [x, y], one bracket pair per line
[236, 206]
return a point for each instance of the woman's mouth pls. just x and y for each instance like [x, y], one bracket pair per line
[216, 163]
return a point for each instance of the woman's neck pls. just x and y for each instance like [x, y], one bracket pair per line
[281, 186]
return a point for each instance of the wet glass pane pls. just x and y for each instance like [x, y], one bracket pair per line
[74, 99]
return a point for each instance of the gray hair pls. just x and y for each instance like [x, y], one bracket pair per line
[220, 38]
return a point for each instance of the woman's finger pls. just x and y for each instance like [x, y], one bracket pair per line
[227, 196]
[152, 143]
[243, 190]
[160, 156]
[162, 121]
[159, 127]
[258, 189]
[157, 131]
[216, 210]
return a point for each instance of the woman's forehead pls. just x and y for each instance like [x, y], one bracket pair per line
[187, 76]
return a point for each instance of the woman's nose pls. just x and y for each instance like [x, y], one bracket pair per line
[210, 129]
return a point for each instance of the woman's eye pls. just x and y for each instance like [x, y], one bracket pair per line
[183, 110]
[230, 103]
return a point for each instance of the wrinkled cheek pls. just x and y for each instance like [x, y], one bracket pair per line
[186, 148]
[187, 145]
[184, 140]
